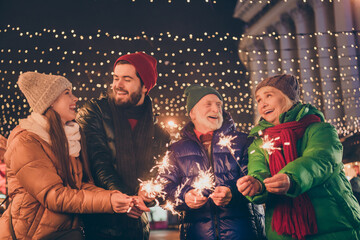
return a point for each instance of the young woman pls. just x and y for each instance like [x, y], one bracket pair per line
[48, 176]
[295, 168]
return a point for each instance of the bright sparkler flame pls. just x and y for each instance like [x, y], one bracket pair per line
[204, 181]
[225, 141]
[268, 144]
[154, 187]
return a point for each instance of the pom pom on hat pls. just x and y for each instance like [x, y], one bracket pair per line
[196, 92]
[287, 84]
[145, 65]
[42, 90]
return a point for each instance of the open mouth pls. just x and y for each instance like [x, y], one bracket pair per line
[73, 108]
[121, 93]
[212, 117]
[268, 112]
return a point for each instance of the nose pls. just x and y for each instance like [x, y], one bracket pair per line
[215, 108]
[75, 98]
[119, 83]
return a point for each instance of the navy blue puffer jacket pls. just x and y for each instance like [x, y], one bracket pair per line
[238, 220]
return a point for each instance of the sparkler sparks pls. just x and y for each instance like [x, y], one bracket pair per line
[154, 187]
[268, 144]
[204, 181]
[225, 141]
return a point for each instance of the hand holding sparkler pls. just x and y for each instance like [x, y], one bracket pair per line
[194, 199]
[120, 202]
[221, 196]
[136, 207]
[278, 184]
[248, 186]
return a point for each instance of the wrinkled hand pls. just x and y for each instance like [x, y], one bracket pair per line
[137, 207]
[145, 196]
[248, 186]
[221, 196]
[120, 202]
[195, 200]
[278, 184]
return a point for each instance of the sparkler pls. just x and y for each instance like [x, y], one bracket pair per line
[204, 181]
[155, 186]
[225, 141]
[269, 144]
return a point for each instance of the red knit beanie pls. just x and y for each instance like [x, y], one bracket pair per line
[145, 65]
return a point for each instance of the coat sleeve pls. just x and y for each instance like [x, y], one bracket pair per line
[258, 168]
[176, 186]
[38, 175]
[322, 157]
[99, 153]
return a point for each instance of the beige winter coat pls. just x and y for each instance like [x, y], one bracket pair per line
[41, 204]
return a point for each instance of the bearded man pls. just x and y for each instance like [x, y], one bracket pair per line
[123, 142]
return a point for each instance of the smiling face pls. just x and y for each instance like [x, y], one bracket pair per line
[65, 106]
[207, 114]
[271, 103]
[126, 86]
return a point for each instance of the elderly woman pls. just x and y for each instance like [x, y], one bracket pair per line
[295, 168]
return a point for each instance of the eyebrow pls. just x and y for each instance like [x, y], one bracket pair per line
[126, 76]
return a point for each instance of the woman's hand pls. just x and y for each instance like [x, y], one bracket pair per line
[195, 200]
[120, 202]
[278, 184]
[248, 186]
[221, 196]
[137, 207]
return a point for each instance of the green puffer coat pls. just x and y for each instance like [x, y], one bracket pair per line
[318, 171]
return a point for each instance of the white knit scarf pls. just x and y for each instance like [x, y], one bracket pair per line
[38, 124]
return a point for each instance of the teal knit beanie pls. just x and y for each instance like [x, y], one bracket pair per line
[196, 92]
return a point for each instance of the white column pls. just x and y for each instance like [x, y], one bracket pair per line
[348, 62]
[330, 80]
[288, 48]
[272, 47]
[257, 65]
[309, 74]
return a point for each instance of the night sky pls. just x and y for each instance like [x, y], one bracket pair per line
[194, 42]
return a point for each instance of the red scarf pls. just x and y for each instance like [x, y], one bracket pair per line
[292, 216]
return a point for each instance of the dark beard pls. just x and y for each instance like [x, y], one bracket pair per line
[134, 99]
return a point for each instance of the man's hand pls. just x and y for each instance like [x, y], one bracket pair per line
[145, 196]
[248, 186]
[137, 207]
[120, 202]
[221, 196]
[278, 184]
[195, 200]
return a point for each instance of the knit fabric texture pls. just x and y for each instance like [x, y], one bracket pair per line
[287, 84]
[41, 90]
[195, 93]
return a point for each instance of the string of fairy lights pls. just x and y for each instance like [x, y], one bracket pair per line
[85, 61]
[203, 58]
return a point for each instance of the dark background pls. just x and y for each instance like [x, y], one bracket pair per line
[194, 42]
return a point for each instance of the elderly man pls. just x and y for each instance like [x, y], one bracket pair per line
[221, 212]
[123, 140]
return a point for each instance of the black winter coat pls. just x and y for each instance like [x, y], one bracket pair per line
[96, 120]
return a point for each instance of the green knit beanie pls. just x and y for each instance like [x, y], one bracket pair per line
[196, 92]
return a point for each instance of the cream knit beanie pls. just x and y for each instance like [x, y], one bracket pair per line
[41, 90]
